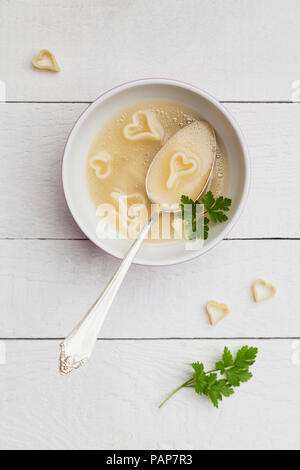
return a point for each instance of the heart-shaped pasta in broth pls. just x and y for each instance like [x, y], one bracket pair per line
[124, 148]
[145, 126]
[183, 165]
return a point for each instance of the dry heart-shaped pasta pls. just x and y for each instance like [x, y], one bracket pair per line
[269, 290]
[144, 125]
[216, 312]
[181, 165]
[101, 164]
[46, 61]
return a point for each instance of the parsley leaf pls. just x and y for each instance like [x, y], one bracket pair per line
[199, 378]
[235, 371]
[219, 389]
[226, 362]
[197, 224]
[186, 200]
[245, 357]
[215, 208]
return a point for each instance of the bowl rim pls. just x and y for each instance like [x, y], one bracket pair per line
[204, 94]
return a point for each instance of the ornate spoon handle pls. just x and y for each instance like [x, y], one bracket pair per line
[77, 348]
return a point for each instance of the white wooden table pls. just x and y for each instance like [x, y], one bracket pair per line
[245, 52]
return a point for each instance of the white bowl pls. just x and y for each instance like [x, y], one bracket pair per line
[84, 130]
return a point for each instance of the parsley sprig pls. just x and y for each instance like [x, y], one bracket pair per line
[197, 222]
[233, 371]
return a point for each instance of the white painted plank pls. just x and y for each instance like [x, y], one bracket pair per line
[112, 402]
[32, 139]
[237, 50]
[273, 138]
[47, 286]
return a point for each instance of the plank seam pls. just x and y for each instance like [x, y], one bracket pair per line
[86, 239]
[89, 102]
[204, 338]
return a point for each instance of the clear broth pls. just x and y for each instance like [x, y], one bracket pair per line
[130, 159]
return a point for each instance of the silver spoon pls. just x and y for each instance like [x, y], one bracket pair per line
[77, 348]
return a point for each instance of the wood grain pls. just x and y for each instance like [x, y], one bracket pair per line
[32, 139]
[237, 50]
[112, 402]
[47, 286]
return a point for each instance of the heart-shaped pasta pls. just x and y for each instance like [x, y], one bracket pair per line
[216, 312]
[144, 125]
[131, 202]
[101, 164]
[49, 59]
[180, 165]
[269, 289]
[132, 212]
[183, 165]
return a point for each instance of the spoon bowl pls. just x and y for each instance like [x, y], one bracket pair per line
[195, 147]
